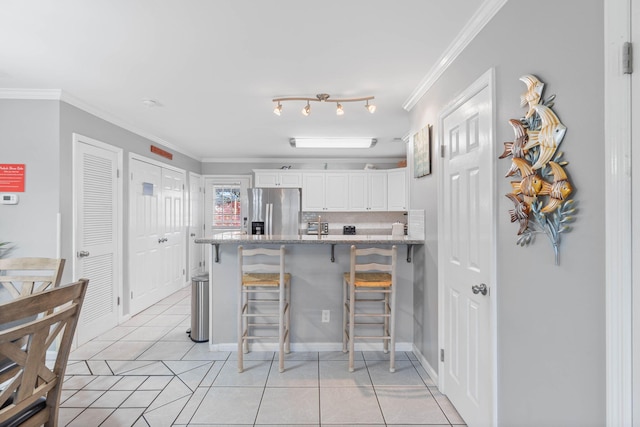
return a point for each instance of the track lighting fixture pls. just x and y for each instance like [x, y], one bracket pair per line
[323, 97]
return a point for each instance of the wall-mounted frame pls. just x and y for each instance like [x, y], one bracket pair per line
[422, 152]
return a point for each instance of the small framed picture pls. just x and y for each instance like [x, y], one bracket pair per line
[422, 152]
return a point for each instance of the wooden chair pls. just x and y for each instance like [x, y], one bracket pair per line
[262, 285]
[25, 276]
[373, 278]
[30, 391]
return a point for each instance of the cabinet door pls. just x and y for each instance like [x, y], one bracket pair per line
[313, 191]
[267, 179]
[377, 184]
[290, 179]
[358, 192]
[336, 195]
[397, 183]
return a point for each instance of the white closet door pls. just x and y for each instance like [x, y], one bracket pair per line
[173, 231]
[96, 236]
[195, 225]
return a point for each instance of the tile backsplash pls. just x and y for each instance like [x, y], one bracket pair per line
[365, 222]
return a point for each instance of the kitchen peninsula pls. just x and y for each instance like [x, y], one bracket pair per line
[316, 266]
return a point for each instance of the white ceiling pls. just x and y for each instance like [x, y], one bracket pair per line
[215, 65]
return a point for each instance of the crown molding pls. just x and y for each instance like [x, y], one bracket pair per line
[60, 95]
[303, 160]
[483, 15]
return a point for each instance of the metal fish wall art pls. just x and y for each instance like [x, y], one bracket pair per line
[541, 196]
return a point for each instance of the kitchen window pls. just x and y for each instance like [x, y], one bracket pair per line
[226, 202]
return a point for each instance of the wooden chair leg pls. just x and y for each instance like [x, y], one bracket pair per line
[385, 325]
[287, 347]
[281, 316]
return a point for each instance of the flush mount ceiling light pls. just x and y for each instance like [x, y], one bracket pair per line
[323, 97]
[332, 142]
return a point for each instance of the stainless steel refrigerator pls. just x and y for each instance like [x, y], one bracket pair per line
[274, 211]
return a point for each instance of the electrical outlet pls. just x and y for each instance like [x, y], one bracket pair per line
[326, 314]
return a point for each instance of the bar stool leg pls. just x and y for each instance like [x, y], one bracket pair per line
[385, 325]
[392, 331]
[352, 320]
[281, 317]
[240, 328]
[344, 316]
[287, 347]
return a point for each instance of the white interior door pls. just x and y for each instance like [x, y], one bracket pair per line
[144, 220]
[635, 207]
[96, 227]
[467, 255]
[173, 244]
[196, 225]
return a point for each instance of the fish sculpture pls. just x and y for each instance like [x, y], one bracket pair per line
[560, 189]
[515, 148]
[548, 137]
[520, 212]
[531, 184]
[533, 94]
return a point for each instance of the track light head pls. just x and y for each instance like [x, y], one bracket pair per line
[339, 109]
[278, 109]
[370, 107]
[307, 109]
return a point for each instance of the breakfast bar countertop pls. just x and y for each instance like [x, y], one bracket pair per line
[332, 239]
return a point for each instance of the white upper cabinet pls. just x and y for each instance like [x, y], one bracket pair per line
[277, 179]
[324, 191]
[397, 190]
[368, 191]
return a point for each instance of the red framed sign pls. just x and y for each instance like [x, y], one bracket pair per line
[12, 177]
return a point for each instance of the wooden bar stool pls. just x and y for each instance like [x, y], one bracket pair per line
[264, 293]
[373, 276]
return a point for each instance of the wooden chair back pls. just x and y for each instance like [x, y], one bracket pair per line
[379, 272]
[25, 276]
[30, 390]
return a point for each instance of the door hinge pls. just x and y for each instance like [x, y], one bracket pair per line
[183, 272]
[442, 151]
[131, 176]
[131, 294]
[442, 354]
[118, 300]
[117, 173]
[627, 58]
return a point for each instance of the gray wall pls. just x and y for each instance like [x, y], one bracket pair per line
[551, 319]
[29, 135]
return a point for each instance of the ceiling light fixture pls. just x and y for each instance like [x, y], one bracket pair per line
[332, 142]
[323, 97]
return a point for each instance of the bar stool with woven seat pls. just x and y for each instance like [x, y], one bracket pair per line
[373, 278]
[263, 284]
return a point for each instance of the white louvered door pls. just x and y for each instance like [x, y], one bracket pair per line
[467, 257]
[96, 236]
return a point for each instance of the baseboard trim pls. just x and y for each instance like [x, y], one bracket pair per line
[425, 364]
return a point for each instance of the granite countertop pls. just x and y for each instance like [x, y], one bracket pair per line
[238, 237]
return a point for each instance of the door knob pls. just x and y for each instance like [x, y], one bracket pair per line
[193, 234]
[83, 254]
[479, 289]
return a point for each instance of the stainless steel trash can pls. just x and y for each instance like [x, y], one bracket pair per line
[199, 331]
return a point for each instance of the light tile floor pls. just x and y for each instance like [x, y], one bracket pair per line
[147, 372]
